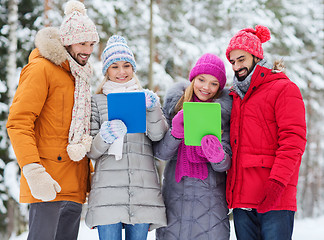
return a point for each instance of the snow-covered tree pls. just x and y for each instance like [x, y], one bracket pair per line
[182, 32]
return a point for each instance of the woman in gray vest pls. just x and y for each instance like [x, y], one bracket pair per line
[195, 176]
[125, 189]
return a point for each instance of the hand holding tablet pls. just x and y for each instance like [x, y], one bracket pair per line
[200, 119]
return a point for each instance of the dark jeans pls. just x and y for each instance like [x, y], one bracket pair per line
[132, 232]
[54, 220]
[251, 225]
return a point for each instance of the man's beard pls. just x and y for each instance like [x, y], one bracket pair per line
[80, 61]
[75, 57]
[248, 71]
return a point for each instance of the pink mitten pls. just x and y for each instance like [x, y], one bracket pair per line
[212, 148]
[177, 130]
[273, 190]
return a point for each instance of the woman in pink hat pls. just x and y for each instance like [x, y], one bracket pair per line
[195, 176]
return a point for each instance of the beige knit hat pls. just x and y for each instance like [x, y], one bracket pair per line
[77, 27]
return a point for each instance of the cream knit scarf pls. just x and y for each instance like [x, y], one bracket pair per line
[79, 134]
[113, 87]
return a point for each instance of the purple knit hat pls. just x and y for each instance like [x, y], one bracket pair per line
[212, 65]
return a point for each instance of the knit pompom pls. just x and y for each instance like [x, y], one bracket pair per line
[262, 32]
[72, 6]
[76, 151]
[249, 40]
[115, 39]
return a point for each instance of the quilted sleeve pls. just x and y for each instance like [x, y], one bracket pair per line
[27, 105]
[156, 123]
[226, 105]
[166, 148]
[98, 146]
[290, 118]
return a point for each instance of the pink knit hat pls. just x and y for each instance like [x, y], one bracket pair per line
[210, 64]
[77, 27]
[249, 40]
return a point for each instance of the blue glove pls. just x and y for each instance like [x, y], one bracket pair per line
[151, 99]
[111, 130]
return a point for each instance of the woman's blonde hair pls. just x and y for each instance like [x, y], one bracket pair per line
[106, 78]
[188, 95]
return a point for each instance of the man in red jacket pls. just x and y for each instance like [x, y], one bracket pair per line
[268, 138]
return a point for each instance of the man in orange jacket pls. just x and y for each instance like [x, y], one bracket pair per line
[268, 137]
[48, 125]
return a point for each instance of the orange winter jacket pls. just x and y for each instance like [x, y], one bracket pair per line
[39, 122]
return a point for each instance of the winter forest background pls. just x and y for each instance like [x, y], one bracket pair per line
[167, 37]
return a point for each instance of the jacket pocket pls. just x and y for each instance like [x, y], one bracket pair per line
[255, 172]
[263, 161]
[54, 154]
[73, 177]
[265, 127]
[59, 109]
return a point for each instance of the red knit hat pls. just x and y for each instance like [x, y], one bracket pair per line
[249, 40]
[212, 65]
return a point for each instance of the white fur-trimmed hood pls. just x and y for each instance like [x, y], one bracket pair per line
[50, 46]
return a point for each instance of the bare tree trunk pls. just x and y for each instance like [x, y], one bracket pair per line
[47, 7]
[12, 84]
[11, 64]
[310, 182]
[11, 217]
[150, 73]
[306, 163]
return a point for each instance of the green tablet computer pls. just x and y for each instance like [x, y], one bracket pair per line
[200, 119]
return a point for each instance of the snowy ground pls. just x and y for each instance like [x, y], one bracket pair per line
[312, 229]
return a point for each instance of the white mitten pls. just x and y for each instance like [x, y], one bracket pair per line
[111, 130]
[151, 99]
[41, 184]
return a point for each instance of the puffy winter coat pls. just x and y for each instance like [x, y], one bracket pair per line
[40, 116]
[268, 137]
[126, 190]
[196, 209]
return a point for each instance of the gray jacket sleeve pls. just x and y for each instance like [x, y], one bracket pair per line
[226, 105]
[156, 124]
[98, 146]
[167, 147]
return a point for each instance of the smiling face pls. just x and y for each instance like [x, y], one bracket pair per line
[205, 86]
[81, 52]
[243, 63]
[120, 72]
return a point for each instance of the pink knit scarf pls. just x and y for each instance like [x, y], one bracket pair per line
[191, 161]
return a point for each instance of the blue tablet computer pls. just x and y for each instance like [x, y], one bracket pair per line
[130, 108]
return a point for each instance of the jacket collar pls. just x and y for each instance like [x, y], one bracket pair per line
[49, 46]
[260, 75]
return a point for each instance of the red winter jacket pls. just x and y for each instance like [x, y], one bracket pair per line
[268, 138]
